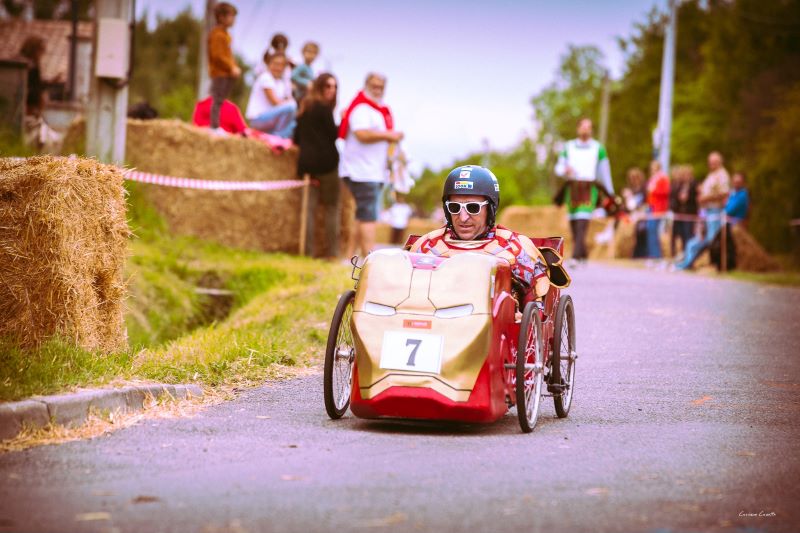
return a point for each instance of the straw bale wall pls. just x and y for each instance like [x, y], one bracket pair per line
[267, 221]
[62, 252]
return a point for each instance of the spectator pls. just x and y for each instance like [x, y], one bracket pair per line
[303, 75]
[271, 108]
[316, 135]
[583, 163]
[657, 207]
[367, 128]
[144, 111]
[32, 50]
[738, 204]
[37, 132]
[230, 117]
[398, 216]
[279, 44]
[683, 201]
[711, 196]
[222, 67]
[634, 196]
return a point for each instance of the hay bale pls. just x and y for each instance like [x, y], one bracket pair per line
[539, 221]
[268, 221]
[750, 255]
[62, 252]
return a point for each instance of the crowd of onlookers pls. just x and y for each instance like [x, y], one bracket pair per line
[289, 102]
[690, 212]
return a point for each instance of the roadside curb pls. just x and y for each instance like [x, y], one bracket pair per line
[72, 410]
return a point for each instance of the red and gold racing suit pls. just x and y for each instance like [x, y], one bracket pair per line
[527, 263]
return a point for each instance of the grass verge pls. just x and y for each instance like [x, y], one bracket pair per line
[275, 316]
[279, 317]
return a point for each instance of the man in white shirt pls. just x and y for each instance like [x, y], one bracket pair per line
[583, 163]
[271, 108]
[367, 129]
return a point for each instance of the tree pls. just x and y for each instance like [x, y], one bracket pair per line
[165, 66]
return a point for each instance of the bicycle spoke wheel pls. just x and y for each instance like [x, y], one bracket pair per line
[564, 356]
[529, 369]
[340, 355]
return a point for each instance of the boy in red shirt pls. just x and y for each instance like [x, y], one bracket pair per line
[222, 68]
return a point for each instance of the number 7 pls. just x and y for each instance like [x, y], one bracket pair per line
[415, 343]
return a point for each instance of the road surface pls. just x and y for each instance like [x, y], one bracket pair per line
[685, 418]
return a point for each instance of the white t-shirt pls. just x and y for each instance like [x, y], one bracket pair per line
[398, 215]
[258, 102]
[364, 161]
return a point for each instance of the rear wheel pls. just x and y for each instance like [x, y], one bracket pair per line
[564, 356]
[339, 357]
[530, 370]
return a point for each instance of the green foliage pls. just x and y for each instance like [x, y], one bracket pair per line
[575, 93]
[737, 70]
[522, 180]
[166, 66]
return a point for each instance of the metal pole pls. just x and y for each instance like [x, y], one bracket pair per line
[667, 82]
[203, 79]
[604, 103]
[73, 51]
[108, 102]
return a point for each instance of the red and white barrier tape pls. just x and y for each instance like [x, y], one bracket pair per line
[211, 185]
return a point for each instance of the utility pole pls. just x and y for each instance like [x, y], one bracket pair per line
[662, 138]
[604, 102]
[108, 104]
[203, 79]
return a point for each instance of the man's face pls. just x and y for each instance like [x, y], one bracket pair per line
[737, 181]
[585, 129]
[714, 161]
[375, 88]
[467, 226]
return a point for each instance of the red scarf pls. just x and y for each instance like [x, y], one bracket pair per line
[362, 98]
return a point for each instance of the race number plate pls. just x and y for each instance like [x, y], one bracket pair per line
[405, 350]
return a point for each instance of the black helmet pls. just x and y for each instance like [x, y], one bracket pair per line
[473, 180]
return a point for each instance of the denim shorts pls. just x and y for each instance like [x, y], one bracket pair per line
[367, 195]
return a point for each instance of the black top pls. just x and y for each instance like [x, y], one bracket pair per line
[315, 135]
[689, 207]
[34, 89]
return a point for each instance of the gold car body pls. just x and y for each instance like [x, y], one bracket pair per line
[423, 300]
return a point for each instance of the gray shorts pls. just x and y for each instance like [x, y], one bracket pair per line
[367, 195]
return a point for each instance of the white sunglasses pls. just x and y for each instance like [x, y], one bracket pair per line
[473, 208]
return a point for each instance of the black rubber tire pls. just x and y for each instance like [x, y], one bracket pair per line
[337, 395]
[529, 365]
[564, 354]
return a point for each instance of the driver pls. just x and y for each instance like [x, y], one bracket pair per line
[470, 199]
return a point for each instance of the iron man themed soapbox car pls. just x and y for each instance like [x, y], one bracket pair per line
[431, 338]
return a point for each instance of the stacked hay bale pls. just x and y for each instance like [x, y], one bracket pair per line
[267, 221]
[62, 252]
[750, 255]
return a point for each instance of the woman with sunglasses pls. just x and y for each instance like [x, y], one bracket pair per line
[315, 135]
[470, 198]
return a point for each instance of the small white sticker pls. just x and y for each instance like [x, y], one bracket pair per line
[418, 352]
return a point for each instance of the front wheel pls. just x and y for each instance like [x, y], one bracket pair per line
[564, 356]
[339, 357]
[530, 368]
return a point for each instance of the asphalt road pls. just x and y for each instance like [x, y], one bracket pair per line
[685, 418]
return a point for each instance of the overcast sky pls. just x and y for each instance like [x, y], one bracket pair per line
[459, 71]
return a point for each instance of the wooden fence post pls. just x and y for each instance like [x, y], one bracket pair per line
[304, 213]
